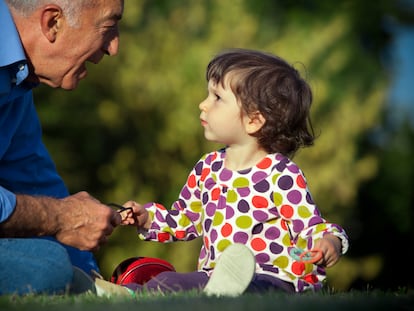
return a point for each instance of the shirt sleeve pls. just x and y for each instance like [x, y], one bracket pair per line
[7, 203]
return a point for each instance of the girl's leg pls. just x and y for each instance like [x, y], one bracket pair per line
[170, 281]
[33, 266]
[265, 283]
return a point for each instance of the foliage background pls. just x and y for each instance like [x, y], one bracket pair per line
[131, 129]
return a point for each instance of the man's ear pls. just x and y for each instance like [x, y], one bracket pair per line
[50, 21]
[254, 122]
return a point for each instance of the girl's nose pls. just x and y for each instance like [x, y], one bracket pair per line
[203, 106]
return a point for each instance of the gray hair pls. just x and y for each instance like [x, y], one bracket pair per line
[71, 8]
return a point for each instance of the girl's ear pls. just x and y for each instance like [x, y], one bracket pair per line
[254, 122]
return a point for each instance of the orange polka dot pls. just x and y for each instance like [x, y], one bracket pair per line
[265, 163]
[258, 244]
[259, 202]
[286, 211]
[226, 230]
[301, 181]
[298, 267]
[215, 194]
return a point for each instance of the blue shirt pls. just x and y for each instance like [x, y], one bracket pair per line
[25, 164]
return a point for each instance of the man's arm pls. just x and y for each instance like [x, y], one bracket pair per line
[78, 220]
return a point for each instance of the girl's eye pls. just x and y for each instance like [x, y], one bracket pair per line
[217, 96]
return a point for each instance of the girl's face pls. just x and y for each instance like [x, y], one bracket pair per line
[221, 115]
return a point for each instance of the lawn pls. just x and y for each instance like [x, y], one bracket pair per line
[370, 300]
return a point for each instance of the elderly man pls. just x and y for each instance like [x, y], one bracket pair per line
[45, 231]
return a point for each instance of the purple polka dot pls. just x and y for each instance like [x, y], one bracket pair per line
[240, 237]
[275, 248]
[207, 225]
[229, 212]
[309, 198]
[298, 225]
[205, 198]
[243, 192]
[272, 233]
[216, 166]
[257, 229]
[262, 186]
[243, 206]
[258, 176]
[293, 168]
[315, 220]
[170, 221]
[294, 196]
[210, 209]
[185, 193]
[213, 235]
[226, 175]
[285, 182]
[209, 183]
[259, 215]
[262, 258]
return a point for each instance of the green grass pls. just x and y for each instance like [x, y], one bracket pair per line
[369, 300]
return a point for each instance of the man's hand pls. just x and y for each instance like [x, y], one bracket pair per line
[84, 222]
[78, 220]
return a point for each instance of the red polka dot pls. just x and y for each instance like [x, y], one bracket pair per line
[258, 244]
[286, 211]
[206, 242]
[158, 205]
[215, 194]
[226, 230]
[298, 267]
[259, 202]
[311, 278]
[204, 173]
[180, 234]
[283, 224]
[163, 236]
[265, 163]
[192, 181]
[300, 181]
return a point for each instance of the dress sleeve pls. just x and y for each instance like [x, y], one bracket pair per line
[183, 220]
[301, 216]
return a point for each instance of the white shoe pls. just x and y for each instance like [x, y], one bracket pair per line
[109, 289]
[233, 272]
[84, 283]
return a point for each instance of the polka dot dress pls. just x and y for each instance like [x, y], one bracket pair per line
[267, 207]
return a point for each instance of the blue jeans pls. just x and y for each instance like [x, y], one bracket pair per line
[33, 266]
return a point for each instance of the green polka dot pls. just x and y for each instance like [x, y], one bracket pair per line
[244, 222]
[240, 182]
[218, 218]
[320, 227]
[281, 262]
[304, 212]
[232, 196]
[196, 207]
[274, 178]
[286, 240]
[223, 244]
[277, 198]
[184, 221]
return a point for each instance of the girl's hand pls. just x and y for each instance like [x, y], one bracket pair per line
[331, 248]
[135, 215]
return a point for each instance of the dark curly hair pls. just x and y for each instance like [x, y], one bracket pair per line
[266, 83]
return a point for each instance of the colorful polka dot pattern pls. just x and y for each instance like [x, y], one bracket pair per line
[267, 208]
